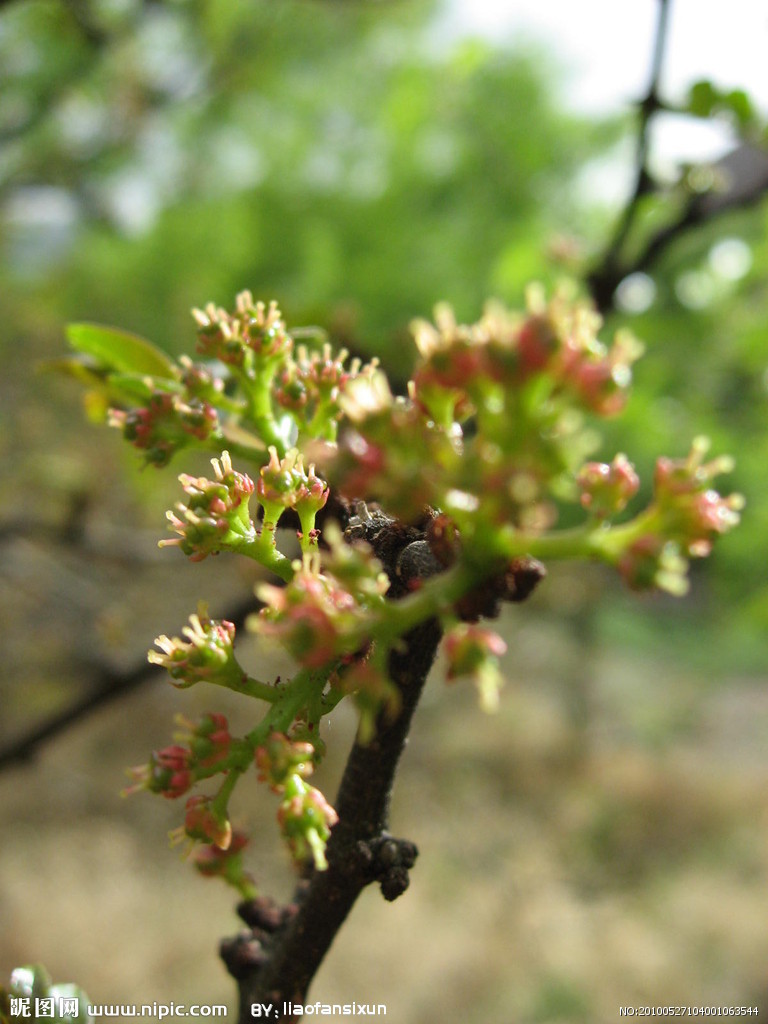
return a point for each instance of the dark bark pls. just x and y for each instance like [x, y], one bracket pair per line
[277, 961]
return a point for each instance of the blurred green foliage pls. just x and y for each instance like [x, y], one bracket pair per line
[330, 155]
[348, 161]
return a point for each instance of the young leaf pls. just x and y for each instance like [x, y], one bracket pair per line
[120, 350]
[706, 100]
[702, 99]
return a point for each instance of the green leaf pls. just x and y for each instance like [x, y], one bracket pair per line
[706, 100]
[135, 388]
[702, 98]
[118, 388]
[120, 350]
[74, 366]
[739, 102]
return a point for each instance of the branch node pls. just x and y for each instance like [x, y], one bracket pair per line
[391, 860]
[262, 912]
[243, 955]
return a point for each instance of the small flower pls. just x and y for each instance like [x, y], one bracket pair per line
[203, 822]
[535, 343]
[366, 396]
[199, 380]
[214, 862]
[167, 423]
[652, 561]
[209, 740]
[444, 538]
[279, 757]
[606, 489]
[473, 652]
[693, 513]
[315, 617]
[355, 566]
[206, 654]
[169, 772]
[216, 513]
[360, 464]
[373, 692]
[306, 819]
[599, 376]
[263, 327]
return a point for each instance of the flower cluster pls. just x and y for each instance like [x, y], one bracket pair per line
[252, 332]
[165, 424]
[693, 513]
[607, 489]
[173, 770]
[311, 386]
[283, 484]
[556, 340]
[468, 469]
[524, 380]
[304, 815]
[685, 517]
[391, 451]
[216, 514]
[206, 654]
[305, 384]
[318, 617]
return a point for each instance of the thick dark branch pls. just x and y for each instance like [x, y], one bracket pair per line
[278, 968]
[276, 962]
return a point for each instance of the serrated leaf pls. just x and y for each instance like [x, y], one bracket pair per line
[120, 350]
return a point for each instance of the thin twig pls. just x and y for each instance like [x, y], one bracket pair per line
[604, 279]
[107, 685]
